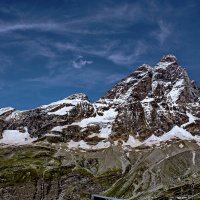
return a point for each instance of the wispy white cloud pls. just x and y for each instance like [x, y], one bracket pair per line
[101, 49]
[80, 62]
[5, 28]
[5, 63]
[115, 19]
[69, 78]
[55, 27]
[125, 12]
[114, 16]
[125, 54]
[122, 58]
[165, 30]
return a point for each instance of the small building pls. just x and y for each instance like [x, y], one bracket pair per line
[98, 197]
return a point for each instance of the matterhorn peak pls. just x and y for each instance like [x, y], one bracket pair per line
[168, 63]
[168, 58]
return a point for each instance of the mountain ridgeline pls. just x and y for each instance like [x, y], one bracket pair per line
[139, 141]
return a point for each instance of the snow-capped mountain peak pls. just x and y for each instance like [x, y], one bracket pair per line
[144, 106]
[169, 58]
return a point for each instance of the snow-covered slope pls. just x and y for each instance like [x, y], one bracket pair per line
[63, 107]
[15, 137]
[5, 110]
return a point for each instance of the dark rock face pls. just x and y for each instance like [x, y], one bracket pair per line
[153, 100]
[39, 122]
[2, 126]
[137, 85]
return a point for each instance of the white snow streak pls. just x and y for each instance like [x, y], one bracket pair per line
[62, 111]
[83, 145]
[193, 157]
[191, 120]
[178, 87]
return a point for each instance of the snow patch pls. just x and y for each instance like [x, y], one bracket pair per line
[128, 79]
[108, 117]
[83, 145]
[57, 128]
[93, 135]
[15, 115]
[147, 100]
[177, 132]
[15, 137]
[73, 102]
[163, 65]
[191, 119]
[105, 122]
[132, 142]
[62, 111]
[4, 110]
[102, 145]
[178, 87]
[51, 135]
[70, 104]
[181, 145]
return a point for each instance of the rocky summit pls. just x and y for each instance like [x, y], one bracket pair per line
[139, 141]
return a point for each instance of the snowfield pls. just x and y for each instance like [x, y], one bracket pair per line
[15, 137]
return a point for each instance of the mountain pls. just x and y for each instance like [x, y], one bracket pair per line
[131, 143]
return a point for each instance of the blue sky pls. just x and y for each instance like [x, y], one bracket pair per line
[51, 49]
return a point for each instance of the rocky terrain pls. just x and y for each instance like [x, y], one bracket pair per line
[139, 141]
